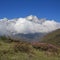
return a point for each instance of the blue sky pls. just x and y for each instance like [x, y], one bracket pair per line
[49, 9]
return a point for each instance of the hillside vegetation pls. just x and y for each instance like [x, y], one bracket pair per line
[20, 50]
[52, 38]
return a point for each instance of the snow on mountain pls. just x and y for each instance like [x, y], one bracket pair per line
[28, 25]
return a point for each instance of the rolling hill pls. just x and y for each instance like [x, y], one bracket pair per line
[52, 38]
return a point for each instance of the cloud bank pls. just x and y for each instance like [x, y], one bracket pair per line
[29, 24]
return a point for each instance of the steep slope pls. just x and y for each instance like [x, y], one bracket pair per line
[53, 38]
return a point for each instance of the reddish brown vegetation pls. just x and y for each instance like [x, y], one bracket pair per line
[23, 47]
[48, 48]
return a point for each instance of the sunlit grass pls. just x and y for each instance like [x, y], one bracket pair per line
[7, 52]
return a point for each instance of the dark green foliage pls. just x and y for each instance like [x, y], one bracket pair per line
[3, 38]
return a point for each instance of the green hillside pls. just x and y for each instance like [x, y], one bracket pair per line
[53, 38]
[21, 50]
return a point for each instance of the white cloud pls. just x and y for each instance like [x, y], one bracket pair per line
[30, 24]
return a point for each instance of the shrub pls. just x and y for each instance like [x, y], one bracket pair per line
[46, 47]
[23, 47]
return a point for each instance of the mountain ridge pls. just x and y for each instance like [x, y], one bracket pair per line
[53, 37]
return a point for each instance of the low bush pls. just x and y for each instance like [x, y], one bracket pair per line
[23, 47]
[46, 47]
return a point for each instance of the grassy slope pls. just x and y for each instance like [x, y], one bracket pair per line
[53, 38]
[7, 52]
